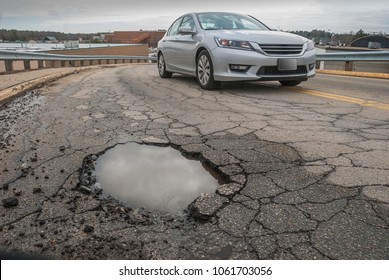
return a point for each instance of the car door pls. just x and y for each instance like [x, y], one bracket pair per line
[186, 46]
[170, 46]
[179, 49]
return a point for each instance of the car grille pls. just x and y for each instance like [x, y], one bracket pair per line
[273, 70]
[282, 49]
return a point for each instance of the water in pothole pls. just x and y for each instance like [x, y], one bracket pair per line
[156, 178]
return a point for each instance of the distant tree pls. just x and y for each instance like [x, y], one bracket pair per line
[315, 35]
[14, 35]
[32, 36]
[360, 34]
[2, 34]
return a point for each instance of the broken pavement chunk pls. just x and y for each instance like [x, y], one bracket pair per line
[10, 202]
[206, 205]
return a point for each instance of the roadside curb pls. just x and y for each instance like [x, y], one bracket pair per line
[354, 74]
[11, 92]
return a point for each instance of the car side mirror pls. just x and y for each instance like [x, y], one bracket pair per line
[184, 30]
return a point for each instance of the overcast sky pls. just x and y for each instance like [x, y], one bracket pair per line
[113, 15]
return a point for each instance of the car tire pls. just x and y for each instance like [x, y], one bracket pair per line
[204, 71]
[290, 83]
[162, 67]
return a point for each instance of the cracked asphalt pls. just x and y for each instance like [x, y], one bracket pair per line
[305, 177]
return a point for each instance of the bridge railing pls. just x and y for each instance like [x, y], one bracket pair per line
[375, 61]
[45, 60]
[354, 56]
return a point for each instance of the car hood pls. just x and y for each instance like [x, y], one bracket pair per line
[261, 37]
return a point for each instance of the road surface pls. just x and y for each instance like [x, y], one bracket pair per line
[306, 169]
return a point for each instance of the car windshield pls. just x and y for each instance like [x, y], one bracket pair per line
[225, 21]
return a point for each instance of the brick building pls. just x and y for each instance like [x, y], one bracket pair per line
[135, 37]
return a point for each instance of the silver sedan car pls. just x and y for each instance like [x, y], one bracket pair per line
[222, 47]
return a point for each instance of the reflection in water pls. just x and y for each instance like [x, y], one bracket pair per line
[156, 178]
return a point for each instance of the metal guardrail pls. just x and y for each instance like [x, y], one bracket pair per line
[14, 55]
[354, 56]
[335, 56]
[10, 56]
[373, 57]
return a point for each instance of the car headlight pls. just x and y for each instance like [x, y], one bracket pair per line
[234, 44]
[310, 45]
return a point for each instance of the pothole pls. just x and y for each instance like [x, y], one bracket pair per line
[151, 177]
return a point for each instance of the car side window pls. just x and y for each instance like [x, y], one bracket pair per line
[173, 30]
[188, 22]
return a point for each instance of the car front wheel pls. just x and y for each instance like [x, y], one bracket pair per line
[162, 67]
[290, 83]
[204, 71]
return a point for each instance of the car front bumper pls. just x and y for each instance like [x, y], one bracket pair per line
[260, 66]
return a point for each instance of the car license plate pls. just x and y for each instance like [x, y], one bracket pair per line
[285, 64]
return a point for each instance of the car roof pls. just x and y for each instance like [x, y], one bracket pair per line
[231, 13]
